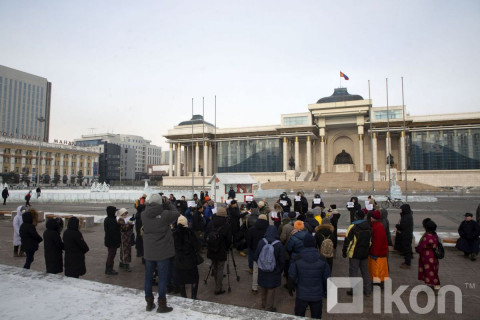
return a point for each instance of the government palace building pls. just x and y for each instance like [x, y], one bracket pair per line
[341, 133]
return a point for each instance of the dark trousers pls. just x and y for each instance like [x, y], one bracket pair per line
[29, 260]
[315, 308]
[408, 257]
[4, 201]
[218, 267]
[111, 257]
[356, 266]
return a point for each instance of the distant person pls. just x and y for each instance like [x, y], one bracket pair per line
[317, 202]
[75, 249]
[112, 239]
[386, 226]
[295, 242]
[30, 238]
[427, 262]
[300, 204]
[404, 235]
[53, 246]
[285, 202]
[469, 241]
[127, 238]
[17, 240]
[377, 258]
[39, 191]
[138, 228]
[231, 193]
[181, 205]
[334, 216]
[325, 232]
[5, 195]
[27, 198]
[353, 209]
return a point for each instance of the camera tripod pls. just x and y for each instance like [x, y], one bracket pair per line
[229, 256]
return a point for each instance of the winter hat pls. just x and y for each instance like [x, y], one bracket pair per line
[298, 225]
[155, 198]
[333, 206]
[360, 215]
[292, 215]
[122, 211]
[377, 215]
[221, 212]
[261, 204]
[326, 221]
[308, 241]
[468, 214]
[144, 195]
[182, 220]
[262, 217]
[111, 210]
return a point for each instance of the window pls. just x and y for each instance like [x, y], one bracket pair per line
[295, 121]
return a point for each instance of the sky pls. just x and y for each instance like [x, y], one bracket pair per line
[133, 67]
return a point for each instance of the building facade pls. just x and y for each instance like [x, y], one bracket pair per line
[145, 153]
[341, 133]
[31, 159]
[24, 99]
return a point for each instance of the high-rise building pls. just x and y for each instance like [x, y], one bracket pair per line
[24, 105]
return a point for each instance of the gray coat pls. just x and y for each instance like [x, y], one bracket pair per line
[157, 234]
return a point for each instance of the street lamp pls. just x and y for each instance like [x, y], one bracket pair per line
[42, 120]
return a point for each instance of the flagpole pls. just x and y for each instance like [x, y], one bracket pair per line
[388, 140]
[340, 79]
[203, 141]
[405, 146]
[193, 163]
[371, 138]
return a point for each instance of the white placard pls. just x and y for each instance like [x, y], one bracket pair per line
[283, 203]
[214, 210]
[367, 202]
[297, 198]
[190, 204]
[369, 206]
[228, 201]
[317, 200]
[349, 204]
[249, 198]
[274, 215]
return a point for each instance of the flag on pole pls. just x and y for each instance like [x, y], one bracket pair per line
[343, 75]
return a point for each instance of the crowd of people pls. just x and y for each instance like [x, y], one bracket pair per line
[289, 243]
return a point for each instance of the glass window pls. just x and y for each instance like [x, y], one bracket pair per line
[295, 121]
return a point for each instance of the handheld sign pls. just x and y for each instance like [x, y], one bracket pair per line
[283, 202]
[369, 207]
[317, 200]
[349, 204]
[249, 198]
[214, 210]
[274, 215]
[191, 204]
[297, 198]
[367, 202]
[228, 201]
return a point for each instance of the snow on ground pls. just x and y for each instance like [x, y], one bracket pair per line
[28, 294]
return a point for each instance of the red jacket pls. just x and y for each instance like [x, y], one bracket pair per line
[379, 246]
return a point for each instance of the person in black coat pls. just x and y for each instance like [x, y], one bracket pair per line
[285, 202]
[181, 205]
[300, 205]
[310, 222]
[218, 252]
[254, 235]
[469, 231]
[320, 203]
[270, 280]
[231, 193]
[198, 223]
[356, 207]
[187, 248]
[53, 246]
[138, 227]
[30, 238]
[113, 239]
[75, 249]
[404, 235]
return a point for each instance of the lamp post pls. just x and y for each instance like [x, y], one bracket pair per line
[42, 120]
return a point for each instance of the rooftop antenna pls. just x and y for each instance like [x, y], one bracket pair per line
[92, 129]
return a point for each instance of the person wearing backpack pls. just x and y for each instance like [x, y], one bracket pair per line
[427, 261]
[356, 247]
[295, 243]
[218, 237]
[324, 238]
[308, 274]
[270, 258]
[377, 258]
[254, 235]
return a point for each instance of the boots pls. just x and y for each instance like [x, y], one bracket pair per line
[194, 291]
[150, 303]
[162, 306]
[183, 291]
[126, 266]
[121, 265]
[109, 271]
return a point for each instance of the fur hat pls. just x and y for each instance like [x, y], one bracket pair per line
[377, 215]
[155, 198]
[122, 211]
[292, 215]
[262, 217]
[308, 241]
[326, 221]
[183, 221]
[221, 212]
[111, 210]
[261, 204]
[298, 225]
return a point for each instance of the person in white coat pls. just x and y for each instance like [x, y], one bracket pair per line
[17, 241]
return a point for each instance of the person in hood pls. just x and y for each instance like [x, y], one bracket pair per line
[356, 247]
[334, 216]
[308, 274]
[404, 235]
[217, 251]
[295, 243]
[112, 239]
[285, 202]
[323, 232]
[231, 193]
[158, 246]
[254, 235]
[75, 249]
[30, 238]
[53, 246]
[17, 240]
[127, 234]
[270, 280]
[356, 207]
[469, 232]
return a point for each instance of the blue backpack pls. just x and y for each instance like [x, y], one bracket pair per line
[266, 260]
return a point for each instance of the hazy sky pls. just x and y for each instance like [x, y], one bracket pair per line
[133, 66]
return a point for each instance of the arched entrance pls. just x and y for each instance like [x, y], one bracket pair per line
[343, 155]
